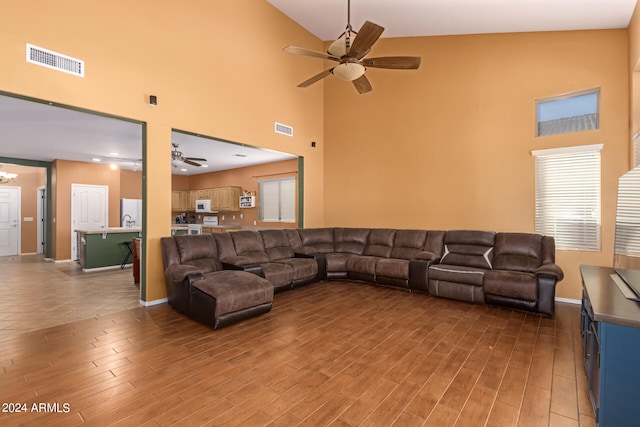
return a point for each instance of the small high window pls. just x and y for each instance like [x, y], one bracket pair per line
[570, 113]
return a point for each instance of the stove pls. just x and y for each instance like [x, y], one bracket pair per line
[210, 220]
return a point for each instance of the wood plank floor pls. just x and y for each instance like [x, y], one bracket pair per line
[333, 353]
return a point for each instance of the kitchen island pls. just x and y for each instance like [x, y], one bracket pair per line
[106, 248]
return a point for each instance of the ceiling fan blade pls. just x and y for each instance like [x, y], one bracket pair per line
[196, 159]
[362, 84]
[302, 51]
[315, 78]
[367, 36]
[393, 62]
[189, 162]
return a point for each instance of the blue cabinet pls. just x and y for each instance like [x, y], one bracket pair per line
[611, 343]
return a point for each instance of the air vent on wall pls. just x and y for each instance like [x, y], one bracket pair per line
[47, 58]
[284, 129]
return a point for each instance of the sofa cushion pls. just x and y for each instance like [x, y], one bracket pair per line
[279, 274]
[315, 240]
[518, 251]
[337, 262]
[362, 264]
[471, 248]
[232, 291]
[407, 243]
[513, 284]
[276, 244]
[380, 243]
[457, 274]
[199, 251]
[350, 240]
[303, 268]
[249, 244]
[392, 267]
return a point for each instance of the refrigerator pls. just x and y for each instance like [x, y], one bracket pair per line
[132, 208]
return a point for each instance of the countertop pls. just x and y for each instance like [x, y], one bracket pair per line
[110, 230]
[608, 303]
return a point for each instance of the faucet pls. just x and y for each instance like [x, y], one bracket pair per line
[127, 222]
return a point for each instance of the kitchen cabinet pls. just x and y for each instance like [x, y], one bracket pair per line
[180, 201]
[230, 198]
[611, 344]
[222, 198]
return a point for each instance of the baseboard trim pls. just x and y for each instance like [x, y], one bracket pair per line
[569, 301]
[62, 260]
[154, 302]
[107, 268]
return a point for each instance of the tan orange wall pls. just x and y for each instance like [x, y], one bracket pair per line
[449, 146]
[246, 178]
[130, 184]
[217, 69]
[67, 173]
[29, 179]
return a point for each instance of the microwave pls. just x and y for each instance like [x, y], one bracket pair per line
[203, 205]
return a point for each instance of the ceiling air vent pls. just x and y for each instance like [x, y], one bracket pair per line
[284, 129]
[47, 58]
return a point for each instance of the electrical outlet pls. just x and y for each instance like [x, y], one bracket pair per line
[255, 223]
[241, 216]
[234, 217]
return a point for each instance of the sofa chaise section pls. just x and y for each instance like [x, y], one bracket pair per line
[198, 286]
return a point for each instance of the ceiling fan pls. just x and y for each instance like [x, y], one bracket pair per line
[350, 51]
[176, 155]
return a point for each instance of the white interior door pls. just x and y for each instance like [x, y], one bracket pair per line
[89, 211]
[9, 221]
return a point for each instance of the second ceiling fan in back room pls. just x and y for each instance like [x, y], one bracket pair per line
[349, 51]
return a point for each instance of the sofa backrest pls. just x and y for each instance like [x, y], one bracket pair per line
[316, 240]
[407, 243]
[471, 248]
[276, 244]
[435, 242]
[350, 240]
[380, 242]
[518, 251]
[249, 244]
[199, 251]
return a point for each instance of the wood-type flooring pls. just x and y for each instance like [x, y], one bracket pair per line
[336, 353]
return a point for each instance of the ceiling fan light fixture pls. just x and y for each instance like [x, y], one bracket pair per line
[348, 71]
[339, 47]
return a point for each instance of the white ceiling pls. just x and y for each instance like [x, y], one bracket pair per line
[327, 19]
[37, 131]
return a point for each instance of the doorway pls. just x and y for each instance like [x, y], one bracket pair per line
[9, 221]
[89, 211]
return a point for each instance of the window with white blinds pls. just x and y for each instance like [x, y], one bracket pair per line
[277, 200]
[628, 214]
[568, 196]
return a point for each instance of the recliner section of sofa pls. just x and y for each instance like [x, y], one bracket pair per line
[515, 270]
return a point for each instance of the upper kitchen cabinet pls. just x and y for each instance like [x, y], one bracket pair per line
[180, 201]
[230, 198]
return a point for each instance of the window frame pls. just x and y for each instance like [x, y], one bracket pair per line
[562, 97]
[560, 189]
[262, 202]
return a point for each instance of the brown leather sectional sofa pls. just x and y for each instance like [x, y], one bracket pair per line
[222, 278]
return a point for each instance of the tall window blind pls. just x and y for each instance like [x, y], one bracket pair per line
[277, 200]
[628, 214]
[568, 196]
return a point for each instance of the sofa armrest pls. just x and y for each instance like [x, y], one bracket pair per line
[249, 268]
[419, 274]
[552, 270]
[306, 250]
[180, 273]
